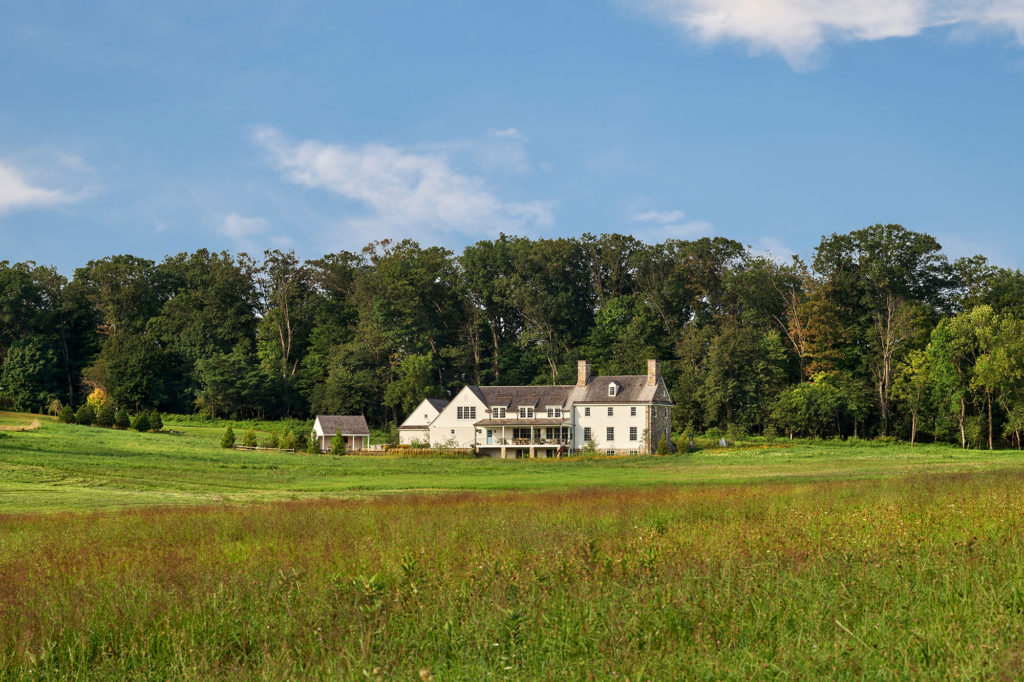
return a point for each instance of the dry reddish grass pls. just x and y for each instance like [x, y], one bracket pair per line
[908, 577]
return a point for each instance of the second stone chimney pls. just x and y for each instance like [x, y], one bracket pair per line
[653, 372]
[582, 373]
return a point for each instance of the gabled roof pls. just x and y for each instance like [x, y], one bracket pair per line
[513, 397]
[346, 425]
[438, 403]
[632, 388]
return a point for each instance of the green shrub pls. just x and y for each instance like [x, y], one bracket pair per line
[287, 441]
[67, 415]
[770, 434]
[275, 439]
[54, 407]
[155, 422]
[337, 444]
[714, 433]
[85, 415]
[141, 422]
[249, 438]
[105, 417]
[121, 420]
[313, 445]
[662, 445]
[228, 439]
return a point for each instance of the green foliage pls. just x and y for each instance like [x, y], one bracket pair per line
[54, 407]
[141, 422]
[27, 374]
[121, 419]
[67, 415]
[275, 439]
[287, 441]
[313, 446]
[106, 415]
[770, 434]
[85, 415]
[337, 444]
[228, 439]
[249, 438]
[662, 445]
[155, 422]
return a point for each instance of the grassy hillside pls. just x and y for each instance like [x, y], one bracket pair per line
[62, 467]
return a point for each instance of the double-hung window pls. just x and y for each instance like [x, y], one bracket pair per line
[465, 412]
[632, 433]
[586, 434]
[611, 411]
[632, 412]
[497, 413]
[526, 413]
[586, 411]
[610, 434]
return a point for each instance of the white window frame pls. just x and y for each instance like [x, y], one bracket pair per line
[526, 413]
[586, 411]
[611, 411]
[587, 434]
[497, 413]
[609, 434]
[632, 433]
[632, 411]
[611, 389]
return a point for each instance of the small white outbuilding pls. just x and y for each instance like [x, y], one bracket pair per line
[353, 429]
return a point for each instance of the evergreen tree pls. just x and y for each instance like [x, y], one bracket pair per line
[105, 416]
[121, 420]
[67, 414]
[337, 444]
[249, 438]
[85, 415]
[228, 439]
[141, 422]
[155, 422]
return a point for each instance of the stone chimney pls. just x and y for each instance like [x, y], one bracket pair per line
[582, 373]
[653, 372]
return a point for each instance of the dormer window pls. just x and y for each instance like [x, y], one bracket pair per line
[612, 389]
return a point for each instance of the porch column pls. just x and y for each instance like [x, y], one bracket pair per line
[533, 450]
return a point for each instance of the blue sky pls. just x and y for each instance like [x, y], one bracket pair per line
[153, 128]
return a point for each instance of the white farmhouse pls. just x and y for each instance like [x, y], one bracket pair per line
[416, 427]
[624, 414]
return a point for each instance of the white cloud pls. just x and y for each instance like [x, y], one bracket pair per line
[17, 192]
[657, 226]
[662, 217]
[510, 133]
[243, 230]
[796, 29]
[773, 248]
[408, 193]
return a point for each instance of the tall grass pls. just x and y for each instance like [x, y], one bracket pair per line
[919, 576]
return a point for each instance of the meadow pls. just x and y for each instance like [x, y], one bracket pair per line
[144, 556]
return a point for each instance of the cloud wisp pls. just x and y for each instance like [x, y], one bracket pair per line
[657, 226]
[406, 193]
[797, 29]
[17, 192]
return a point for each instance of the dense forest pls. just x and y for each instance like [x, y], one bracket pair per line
[877, 335]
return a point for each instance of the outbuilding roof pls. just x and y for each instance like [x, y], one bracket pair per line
[346, 425]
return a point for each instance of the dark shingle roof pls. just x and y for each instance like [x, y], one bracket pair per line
[438, 403]
[512, 397]
[632, 388]
[347, 425]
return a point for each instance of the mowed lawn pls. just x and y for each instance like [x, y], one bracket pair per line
[162, 556]
[60, 467]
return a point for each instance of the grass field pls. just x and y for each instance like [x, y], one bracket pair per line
[830, 560]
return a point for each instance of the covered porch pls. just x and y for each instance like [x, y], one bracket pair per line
[515, 438]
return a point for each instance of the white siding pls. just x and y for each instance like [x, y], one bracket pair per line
[448, 428]
[621, 421]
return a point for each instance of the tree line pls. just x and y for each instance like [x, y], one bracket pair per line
[877, 334]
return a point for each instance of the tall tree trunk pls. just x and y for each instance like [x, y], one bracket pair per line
[962, 417]
[913, 426]
[497, 346]
[989, 397]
